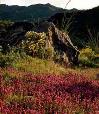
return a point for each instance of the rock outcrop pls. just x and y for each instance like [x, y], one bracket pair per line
[55, 38]
[60, 41]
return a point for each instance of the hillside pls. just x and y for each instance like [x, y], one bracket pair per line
[35, 86]
[42, 71]
[30, 13]
[79, 24]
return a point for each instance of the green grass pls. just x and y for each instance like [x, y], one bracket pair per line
[38, 66]
[23, 63]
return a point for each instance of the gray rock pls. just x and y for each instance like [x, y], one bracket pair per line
[59, 40]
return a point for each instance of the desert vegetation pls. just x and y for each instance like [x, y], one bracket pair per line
[31, 85]
[48, 94]
[43, 72]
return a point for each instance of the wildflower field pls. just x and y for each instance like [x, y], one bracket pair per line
[49, 65]
[26, 93]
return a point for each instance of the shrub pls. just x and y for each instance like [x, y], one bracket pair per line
[9, 58]
[34, 41]
[35, 45]
[5, 60]
[93, 40]
[86, 57]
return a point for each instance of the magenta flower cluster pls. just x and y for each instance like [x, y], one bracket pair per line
[48, 94]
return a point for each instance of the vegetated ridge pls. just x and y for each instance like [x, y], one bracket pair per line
[29, 13]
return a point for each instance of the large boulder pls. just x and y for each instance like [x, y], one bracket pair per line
[60, 41]
[65, 51]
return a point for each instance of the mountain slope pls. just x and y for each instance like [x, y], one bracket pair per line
[82, 25]
[30, 13]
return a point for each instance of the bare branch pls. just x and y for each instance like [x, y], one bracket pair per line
[67, 3]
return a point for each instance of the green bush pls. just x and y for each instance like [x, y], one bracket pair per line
[11, 57]
[5, 60]
[87, 57]
[35, 45]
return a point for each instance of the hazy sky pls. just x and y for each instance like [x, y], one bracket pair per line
[79, 4]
